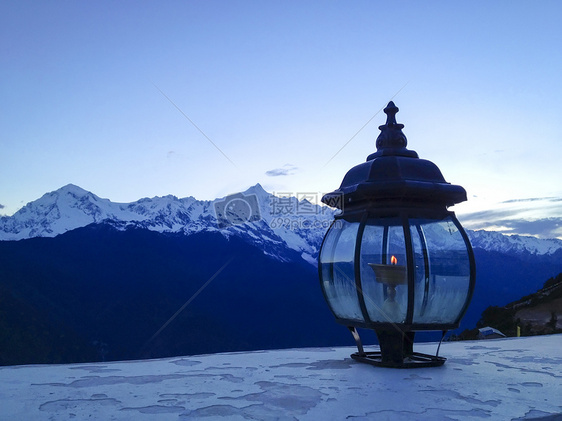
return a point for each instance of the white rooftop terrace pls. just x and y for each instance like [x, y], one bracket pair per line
[502, 379]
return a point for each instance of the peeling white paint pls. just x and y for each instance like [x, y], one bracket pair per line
[507, 379]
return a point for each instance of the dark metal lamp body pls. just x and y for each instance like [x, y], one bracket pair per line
[396, 260]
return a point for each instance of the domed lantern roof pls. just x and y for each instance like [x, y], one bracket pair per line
[396, 260]
[394, 175]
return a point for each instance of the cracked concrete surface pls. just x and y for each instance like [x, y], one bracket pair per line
[516, 378]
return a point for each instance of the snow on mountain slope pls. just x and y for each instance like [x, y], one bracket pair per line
[495, 241]
[274, 221]
[270, 221]
[54, 213]
[72, 207]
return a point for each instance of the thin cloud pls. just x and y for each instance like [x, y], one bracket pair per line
[487, 215]
[2, 206]
[287, 169]
[534, 199]
[541, 228]
[535, 216]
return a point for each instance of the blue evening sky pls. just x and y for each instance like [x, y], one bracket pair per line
[100, 94]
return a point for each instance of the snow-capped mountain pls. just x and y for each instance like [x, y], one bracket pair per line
[262, 218]
[495, 241]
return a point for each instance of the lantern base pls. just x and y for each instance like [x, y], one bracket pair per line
[415, 360]
[396, 351]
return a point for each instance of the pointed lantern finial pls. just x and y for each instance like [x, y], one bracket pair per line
[391, 140]
[391, 133]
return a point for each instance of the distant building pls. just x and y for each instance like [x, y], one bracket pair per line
[489, 333]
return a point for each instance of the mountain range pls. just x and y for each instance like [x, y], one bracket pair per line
[84, 279]
[299, 225]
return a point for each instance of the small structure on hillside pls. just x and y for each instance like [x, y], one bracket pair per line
[489, 333]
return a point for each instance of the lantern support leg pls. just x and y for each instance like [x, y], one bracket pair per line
[357, 338]
[396, 351]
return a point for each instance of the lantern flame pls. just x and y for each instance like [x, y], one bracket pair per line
[393, 260]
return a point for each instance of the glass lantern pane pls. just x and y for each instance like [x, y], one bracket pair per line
[337, 266]
[442, 271]
[384, 275]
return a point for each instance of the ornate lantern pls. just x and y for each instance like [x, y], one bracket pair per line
[396, 260]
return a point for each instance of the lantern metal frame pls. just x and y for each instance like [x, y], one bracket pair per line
[403, 188]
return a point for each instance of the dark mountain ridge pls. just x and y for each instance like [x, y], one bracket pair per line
[502, 278]
[113, 290]
[98, 293]
[539, 313]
